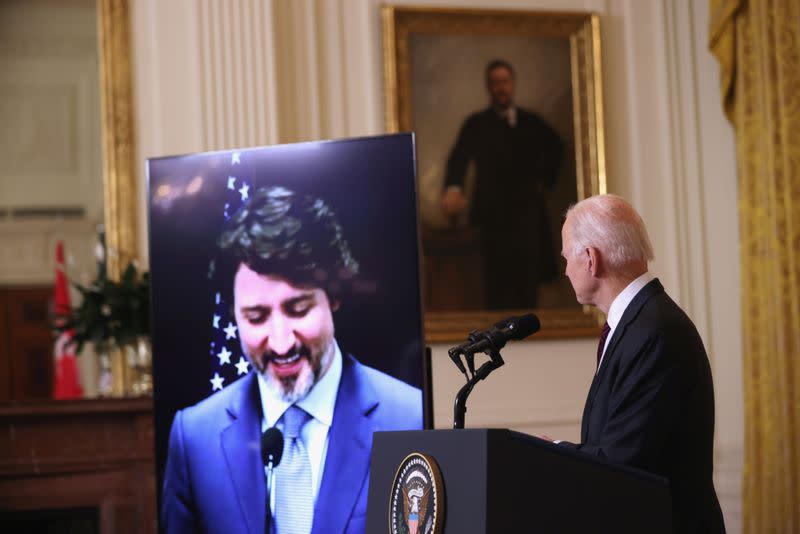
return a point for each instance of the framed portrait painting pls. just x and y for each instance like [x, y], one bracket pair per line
[507, 111]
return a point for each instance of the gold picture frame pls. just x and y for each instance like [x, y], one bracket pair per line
[116, 101]
[578, 36]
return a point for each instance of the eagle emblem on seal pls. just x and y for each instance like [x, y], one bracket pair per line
[417, 505]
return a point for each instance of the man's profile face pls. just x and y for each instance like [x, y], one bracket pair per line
[577, 268]
[500, 83]
[286, 331]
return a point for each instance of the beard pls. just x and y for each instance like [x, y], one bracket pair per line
[292, 388]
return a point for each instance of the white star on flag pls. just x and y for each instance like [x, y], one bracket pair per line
[232, 182]
[215, 321]
[243, 191]
[241, 367]
[224, 356]
[216, 298]
[235, 158]
[230, 331]
[216, 382]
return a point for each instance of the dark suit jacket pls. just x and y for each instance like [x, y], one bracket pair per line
[651, 406]
[514, 167]
[214, 479]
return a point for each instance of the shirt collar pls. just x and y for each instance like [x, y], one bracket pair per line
[320, 401]
[509, 114]
[621, 302]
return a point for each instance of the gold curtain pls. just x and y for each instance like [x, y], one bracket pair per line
[757, 43]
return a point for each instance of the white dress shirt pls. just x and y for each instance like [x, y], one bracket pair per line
[620, 304]
[509, 115]
[319, 403]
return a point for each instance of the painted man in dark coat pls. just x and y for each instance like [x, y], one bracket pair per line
[517, 156]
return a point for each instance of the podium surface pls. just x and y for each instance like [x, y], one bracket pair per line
[503, 481]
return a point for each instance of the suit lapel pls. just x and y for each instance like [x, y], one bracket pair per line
[631, 312]
[241, 445]
[347, 460]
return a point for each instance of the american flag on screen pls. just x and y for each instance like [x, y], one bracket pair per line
[227, 361]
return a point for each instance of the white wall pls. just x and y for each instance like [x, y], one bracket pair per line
[49, 138]
[214, 75]
[49, 145]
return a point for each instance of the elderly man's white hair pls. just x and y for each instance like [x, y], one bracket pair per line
[611, 225]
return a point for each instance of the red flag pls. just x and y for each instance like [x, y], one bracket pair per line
[66, 383]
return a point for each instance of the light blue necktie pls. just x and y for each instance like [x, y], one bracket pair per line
[294, 504]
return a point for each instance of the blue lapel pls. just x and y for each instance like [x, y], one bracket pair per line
[349, 446]
[241, 446]
[631, 312]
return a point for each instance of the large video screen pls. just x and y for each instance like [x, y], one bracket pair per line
[285, 280]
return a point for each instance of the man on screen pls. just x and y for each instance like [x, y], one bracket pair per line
[651, 403]
[285, 260]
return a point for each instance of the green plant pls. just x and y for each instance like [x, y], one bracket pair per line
[111, 310]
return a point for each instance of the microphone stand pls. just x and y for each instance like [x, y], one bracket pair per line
[271, 453]
[268, 518]
[460, 408]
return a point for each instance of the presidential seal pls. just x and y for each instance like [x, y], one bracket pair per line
[417, 499]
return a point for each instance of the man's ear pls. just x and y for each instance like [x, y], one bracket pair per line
[594, 261]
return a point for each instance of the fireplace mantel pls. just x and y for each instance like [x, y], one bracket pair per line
[80, 454]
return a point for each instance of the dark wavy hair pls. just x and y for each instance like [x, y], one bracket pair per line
[281, 233]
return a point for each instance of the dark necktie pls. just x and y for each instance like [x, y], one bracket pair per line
[602, 344]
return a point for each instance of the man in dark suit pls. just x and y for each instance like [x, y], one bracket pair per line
[285, 261]
[517, 156]
[651, 403]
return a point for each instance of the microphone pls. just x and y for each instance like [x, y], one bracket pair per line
[494, 339]
[490, 342]
[271, 447]
[271, 454]
[455, 355]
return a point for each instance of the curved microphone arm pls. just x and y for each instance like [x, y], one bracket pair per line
[488, 342]
[460, 408]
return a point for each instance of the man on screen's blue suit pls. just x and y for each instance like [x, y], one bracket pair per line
[284, 266]
[215, 479]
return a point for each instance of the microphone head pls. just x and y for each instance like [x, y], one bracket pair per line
[272, 446]
[523, 326]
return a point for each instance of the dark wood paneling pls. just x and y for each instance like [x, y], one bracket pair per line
[5, 361]
[27, 343]
[80, 454]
